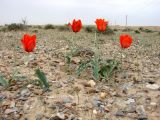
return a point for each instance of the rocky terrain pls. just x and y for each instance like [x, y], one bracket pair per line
[133, 93]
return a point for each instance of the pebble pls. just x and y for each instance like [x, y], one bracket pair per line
[120, 103]
[94, 111]
[120, 113]
[142, 117]
[71, 117]
[153, 103]
[67, 100]
[17, 116]
[12, 105]
[103, 95]
[140, 109]
[92, 83]
[29, 86]
[131, 116]
[127, 86]
[129, 101]
[8, 111]
[25, 92]
[39, 116]
[2, 96]
[70, 79]
[96, 102]
[152, 86]
[61, 116]
[131, 108]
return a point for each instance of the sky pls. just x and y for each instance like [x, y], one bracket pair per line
[139, 12]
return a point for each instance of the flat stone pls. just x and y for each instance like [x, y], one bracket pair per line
[140, 109]
[71, 117]
[127, 86]
[96, 102]
[2, 96]
[8, 111]
[39, 116]
[152, 86]
[142, 117]
[129, 101]
[61, 116]
[25, 92]
[153, 104]
[131, 109]
[120, 113]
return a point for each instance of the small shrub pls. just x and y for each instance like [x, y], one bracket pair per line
[3, 81]
[15, 27]
[108, 68]
[141, 29]
[115, 30]
[63, 28]
[39, 27]
[35, 31]
[127, 30]
[159, 33]
[108, 31]
[90, 29]
[137, 31]
[3, 29]
[29, 26]
[148, 31]
[145, 30]
[49, 26]
[100, 70]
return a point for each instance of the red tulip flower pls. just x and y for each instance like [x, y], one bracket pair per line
[29, 42]
[101, 24]
[125, 41]
[76, 25]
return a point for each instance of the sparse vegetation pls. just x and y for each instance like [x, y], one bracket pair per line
[15, 27]
[108, 31]
[100, 69]
[145, 30]
[127, 29]
[90, 29]
[38, 26]
[3, 81]
[49, 26]
[63, 28]
[137, 31]
[3, 29]
[148, 31]
[94, 85]
[141, 29]
[115, 29]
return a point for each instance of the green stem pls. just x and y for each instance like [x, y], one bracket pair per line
[72, 50]
[121, 58]
[96, 59]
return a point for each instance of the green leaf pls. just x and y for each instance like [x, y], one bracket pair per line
[82, 67]
[68, 57]
[95, 67]
[3, 81]
[103, 71]
[108, 68]
[42, 79]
